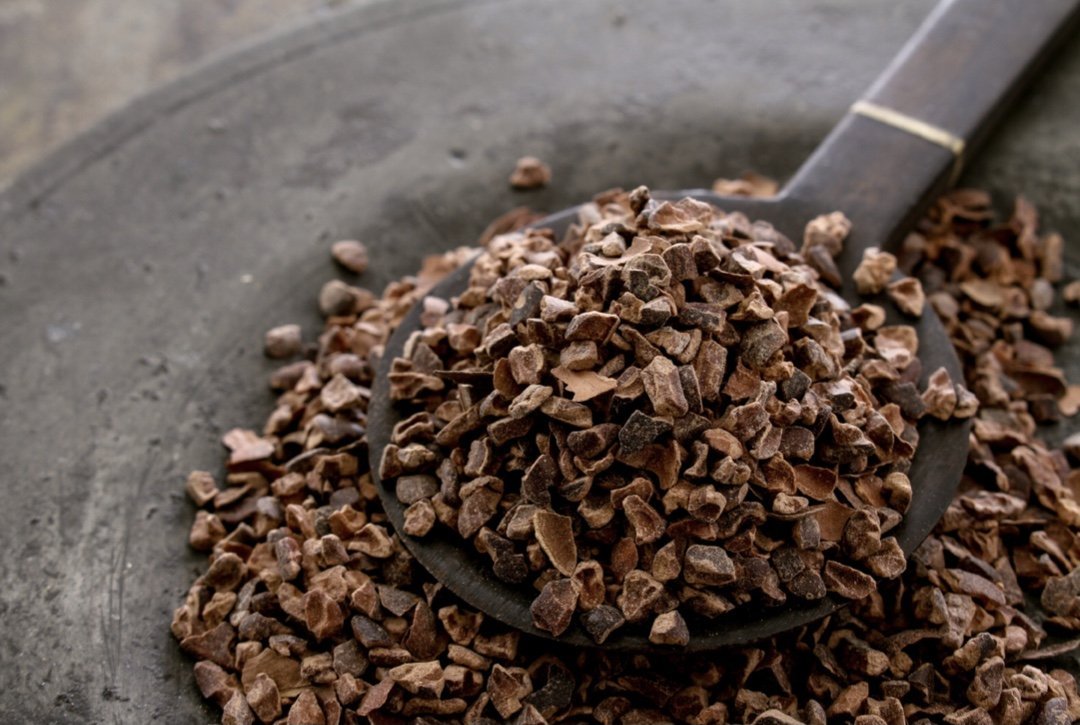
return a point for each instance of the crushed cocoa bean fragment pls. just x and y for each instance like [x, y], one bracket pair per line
[669, 628]
[555, 534]
[237, 711]
[907, 293]
[553, 610]
[601, 621]
[337, 299]
[846, 581]
[283, 341]
[530, 173]
[351, 254]
[874, 271]
[708, 565]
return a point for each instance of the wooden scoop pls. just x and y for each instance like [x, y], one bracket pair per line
[896, 149]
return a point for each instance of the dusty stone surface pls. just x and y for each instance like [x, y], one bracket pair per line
[112, 52]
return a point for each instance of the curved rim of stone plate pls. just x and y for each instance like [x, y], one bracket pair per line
[232, 65]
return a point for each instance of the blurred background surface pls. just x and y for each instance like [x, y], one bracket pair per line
[68, 63]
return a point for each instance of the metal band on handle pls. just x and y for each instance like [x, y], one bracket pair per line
[915, 127]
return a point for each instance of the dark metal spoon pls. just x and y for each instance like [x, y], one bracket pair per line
[881, 165]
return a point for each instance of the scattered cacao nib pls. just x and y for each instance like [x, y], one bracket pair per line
[530, 173]
[951, 638]
[350, 254]
[337, 299]
[554, 608]
[555, 535]
[908, 295]
[847, 581]
[264, 698]
[283, 341]
[602, 621]
[874, 271]
[749, 184]
[669, 628]
[828, 231]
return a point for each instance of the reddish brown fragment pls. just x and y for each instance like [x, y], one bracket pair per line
[214, 683]
[1061, 594]
[595, 326]
[284, 671]
[419, 678]
[507, 687]
[340, 393]
[476, 508]
[579, 356]
[283, 341]
[573, 414]
[601, 621]
[889, 562]
[862, 535]
[530, 173]
[908, 295]
[555, 533]
[748, 184]
[419, 518]
[828, 231]
[1071, 292]
[374, 541]
[664, 388]
[201, 487]
[709, 565]
[264, 698]
[977, 586]
[761, 342]
[846, 581]
[529, 400]
[639, 595]
[724, 442]
[322, 615]
[1053, 331]
[553, 610]
[206, 531]
[527, 364]
[350, 254]
[641, 430]
[584, 384]
[940, 395]
[213, 645]
[376, 697]
[814, 481]
[337, 299]
[669, 629]
[710, 366]
[874, 271]
[646, 523]
[237, 711]
[985, 689]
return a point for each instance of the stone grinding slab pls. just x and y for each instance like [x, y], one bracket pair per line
[141, 263]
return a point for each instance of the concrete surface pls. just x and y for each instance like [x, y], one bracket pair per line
[140, 264]
[68, 63]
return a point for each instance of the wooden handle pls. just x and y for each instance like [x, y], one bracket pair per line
[905, 140]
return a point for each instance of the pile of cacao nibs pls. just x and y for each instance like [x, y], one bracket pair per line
[666, 412]
[312, 612]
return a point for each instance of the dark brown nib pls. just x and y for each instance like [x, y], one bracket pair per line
[530, 173]
[662, 418]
